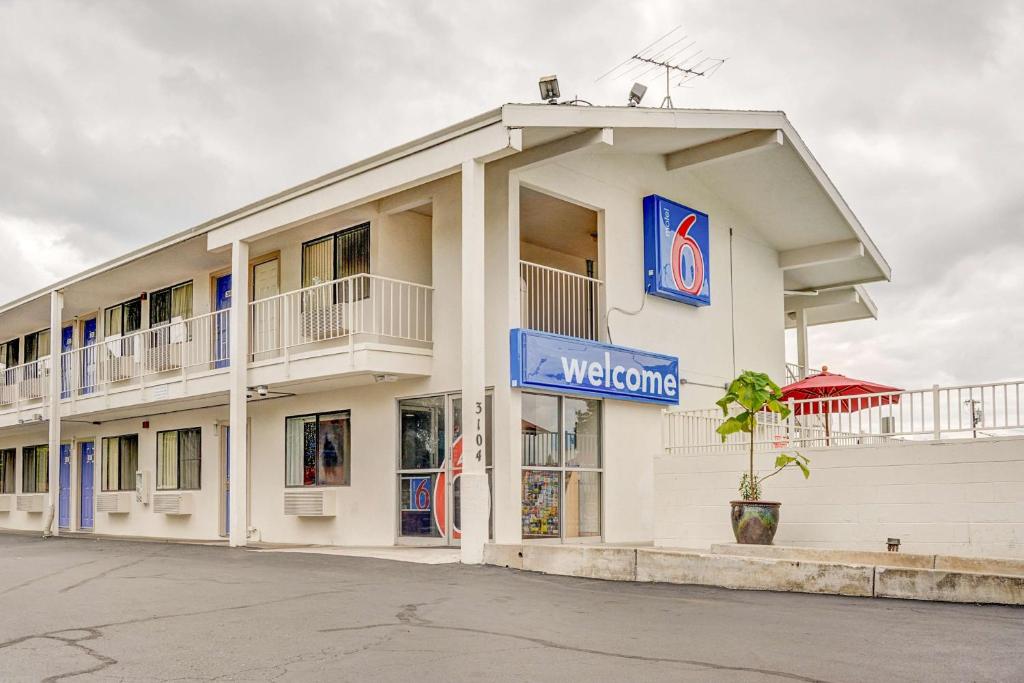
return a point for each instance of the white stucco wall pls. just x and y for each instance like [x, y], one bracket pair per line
[955, 497]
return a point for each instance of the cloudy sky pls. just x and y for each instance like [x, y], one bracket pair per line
[121, 122]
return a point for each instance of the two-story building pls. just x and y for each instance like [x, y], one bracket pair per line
[470, 336]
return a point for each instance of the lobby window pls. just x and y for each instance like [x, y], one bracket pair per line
[169, 303]
[179, 459]
[318, 449]
[120, 462]
[35, 469]
[7, 456]
[561, 456]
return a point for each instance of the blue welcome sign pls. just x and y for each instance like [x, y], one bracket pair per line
[580, 366]
[677, 252]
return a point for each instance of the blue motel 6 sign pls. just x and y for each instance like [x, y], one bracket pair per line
[677, 252]
[580, 366]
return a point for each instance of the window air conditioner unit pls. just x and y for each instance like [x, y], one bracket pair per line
[5, 503]
[178, 503]
[317, 503]
[324, 322]
[31, 387]
[164, 357]
[114, 502]
[31, 502]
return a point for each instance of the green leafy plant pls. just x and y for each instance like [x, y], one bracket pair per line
[754, 393]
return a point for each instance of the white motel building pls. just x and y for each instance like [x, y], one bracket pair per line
[472, 336]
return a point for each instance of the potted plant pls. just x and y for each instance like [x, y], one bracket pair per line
[755, 520]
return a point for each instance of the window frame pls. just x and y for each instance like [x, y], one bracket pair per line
[8, 470]
[333, 236]
[169, 290]
[35, 336]
[121, 305]
[7, 347]
[34, 450]
[199, 459]
[347, 412]
[103, 463]
[564, 470]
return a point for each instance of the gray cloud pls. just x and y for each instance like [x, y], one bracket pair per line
[123, 121]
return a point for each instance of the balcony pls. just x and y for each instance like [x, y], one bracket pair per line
[380, 325]
[560, 302]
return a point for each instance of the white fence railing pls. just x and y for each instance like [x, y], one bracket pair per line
[967, 411]
[560, 302]
[199, 342]
[24, 383]
[368, 305]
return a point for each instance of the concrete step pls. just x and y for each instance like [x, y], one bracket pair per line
[750, 572]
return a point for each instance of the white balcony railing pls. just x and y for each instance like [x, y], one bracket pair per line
[24, 383]
[967, 411]
[200, 342]
[560, 302]
[369, 306]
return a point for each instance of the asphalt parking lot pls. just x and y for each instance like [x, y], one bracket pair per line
[84, 609]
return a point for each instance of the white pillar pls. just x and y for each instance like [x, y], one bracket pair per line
[475, 497]
[53, 400]
[801, 342]
[238, 344]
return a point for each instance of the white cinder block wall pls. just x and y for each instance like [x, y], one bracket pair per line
[956, 497]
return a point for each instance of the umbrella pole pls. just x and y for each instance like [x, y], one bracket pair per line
[828, 441]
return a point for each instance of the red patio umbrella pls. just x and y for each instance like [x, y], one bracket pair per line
[827, 386]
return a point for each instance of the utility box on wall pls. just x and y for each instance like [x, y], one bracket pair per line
[142, 487]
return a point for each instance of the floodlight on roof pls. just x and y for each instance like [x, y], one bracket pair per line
[549, 89]
[636, 93]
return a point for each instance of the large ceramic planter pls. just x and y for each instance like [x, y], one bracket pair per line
[755, 521]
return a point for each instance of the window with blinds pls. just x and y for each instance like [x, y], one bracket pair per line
[336, 256]
[178, 460]
[120, 462]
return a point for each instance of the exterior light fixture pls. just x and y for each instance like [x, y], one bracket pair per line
[636, 93]
[380, 379]
[262, 391]
[893, 545]
[549, 89]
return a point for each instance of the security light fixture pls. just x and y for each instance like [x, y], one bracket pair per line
[549, 89]
[381, 379]
[636, 93]
[262, 391]
[893, 544]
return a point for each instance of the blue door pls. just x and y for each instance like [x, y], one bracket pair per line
[89, 356]
[65, 366]
[221, 355]
[86, 470]
[64, 499]
[227, 481]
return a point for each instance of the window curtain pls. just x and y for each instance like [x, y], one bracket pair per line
[159, 307]
[111, 463]
[129, 461]
[296, 448]
[189, 457]
[7, 471]
[181, 301]
[112, 321]
[318, 262]
[167, 460]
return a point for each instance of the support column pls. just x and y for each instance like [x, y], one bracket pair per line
[801, 342]
[238, 412]
[474, 493]
[51, 527]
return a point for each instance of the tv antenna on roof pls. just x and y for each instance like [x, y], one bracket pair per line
[674, 52]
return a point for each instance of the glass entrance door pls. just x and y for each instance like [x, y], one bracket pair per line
[430, 468]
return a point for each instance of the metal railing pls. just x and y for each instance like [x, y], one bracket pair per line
[793, 372]
[560, 302]
[368, 305]
[199, 342]
[25, 383]
[957, 412]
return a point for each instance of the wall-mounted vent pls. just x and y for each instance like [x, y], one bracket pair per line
[34, 502]
[318, 503]
[172, 503]
[114, 502]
